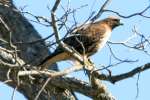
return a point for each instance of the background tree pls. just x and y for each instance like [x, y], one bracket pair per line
[22, 48]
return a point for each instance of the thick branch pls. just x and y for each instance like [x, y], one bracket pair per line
[50, 73]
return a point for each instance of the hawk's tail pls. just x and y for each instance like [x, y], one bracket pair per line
[53, 58]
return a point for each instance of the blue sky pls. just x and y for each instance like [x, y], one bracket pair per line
[123, 90]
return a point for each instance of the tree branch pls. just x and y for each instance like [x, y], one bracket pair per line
[116, 78]
[50, 73]
[132, 15]
[57, 37]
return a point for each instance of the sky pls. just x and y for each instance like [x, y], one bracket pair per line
[123, 90]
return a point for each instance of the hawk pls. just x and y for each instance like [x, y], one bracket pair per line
[86, 40]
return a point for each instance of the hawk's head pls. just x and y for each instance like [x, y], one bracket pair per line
[112, 22]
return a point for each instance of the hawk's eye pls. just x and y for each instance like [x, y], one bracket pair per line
[117, 20]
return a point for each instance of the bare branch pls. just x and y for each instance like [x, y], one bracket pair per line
[64, 46]
[116, 78]
[50, 73]
[13, 94]
[101, 10]
[132, 15]
[43, 87]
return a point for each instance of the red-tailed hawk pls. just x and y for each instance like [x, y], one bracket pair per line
[86, 40]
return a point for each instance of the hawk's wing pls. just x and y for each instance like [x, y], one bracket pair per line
[86, 40]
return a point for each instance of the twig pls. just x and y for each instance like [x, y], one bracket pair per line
[13, 94]
[101, 10]
[38, 18]
[36, 41]
[111, 65]
[141, 45]
[132, 15]
[126, 60]
[137, 85]
[37, 96]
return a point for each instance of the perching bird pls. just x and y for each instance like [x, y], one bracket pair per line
[86, 40]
